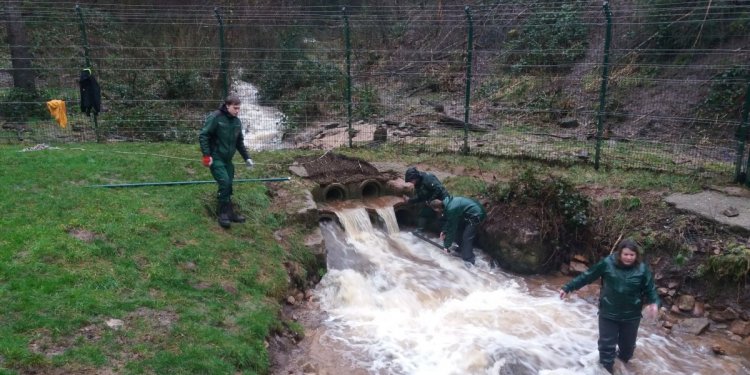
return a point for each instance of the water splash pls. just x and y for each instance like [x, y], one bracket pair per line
[401, 306]
[262, 124]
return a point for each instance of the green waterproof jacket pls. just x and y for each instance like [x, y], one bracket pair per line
[221, 136]
[429, 188]
[457, 209]
[624, 289]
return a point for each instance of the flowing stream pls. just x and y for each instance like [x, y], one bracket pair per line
[395, 304]
[262, 124]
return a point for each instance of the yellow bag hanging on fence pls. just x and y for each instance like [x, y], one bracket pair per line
[57, 110]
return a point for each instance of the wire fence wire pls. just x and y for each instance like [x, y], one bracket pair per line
[529, 77]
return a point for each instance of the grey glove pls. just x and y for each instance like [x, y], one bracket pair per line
[249, 163]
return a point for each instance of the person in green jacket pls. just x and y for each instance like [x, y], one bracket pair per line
[427, 188]
[461, 219]
[219, 139]
[627, 284]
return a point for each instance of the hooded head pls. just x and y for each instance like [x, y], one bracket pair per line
[412, 174]
[85, 74]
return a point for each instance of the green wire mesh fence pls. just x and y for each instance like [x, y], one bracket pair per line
[658, 85]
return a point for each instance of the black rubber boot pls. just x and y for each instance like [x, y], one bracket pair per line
[234, 216]
[224, 210]
[421, 224]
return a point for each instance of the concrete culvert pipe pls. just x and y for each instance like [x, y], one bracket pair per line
[370, 189]
[334, 192]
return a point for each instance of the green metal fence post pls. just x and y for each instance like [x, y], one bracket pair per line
[223, 60]
[87, 62]
[743, 135]
[467, 99]
[603, 90]
[84, 38]
[348, 48]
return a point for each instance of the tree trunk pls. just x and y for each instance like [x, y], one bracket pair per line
[20, 55]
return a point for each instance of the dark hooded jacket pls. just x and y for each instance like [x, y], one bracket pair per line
[457, 209]
[91, 99]
[221, 136]
[624, 291]
[427, 188]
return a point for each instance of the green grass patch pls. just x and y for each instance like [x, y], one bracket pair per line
[465, 186]
[193, 298]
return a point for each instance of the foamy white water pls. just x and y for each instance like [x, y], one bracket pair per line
[262, 125]
[398, 305]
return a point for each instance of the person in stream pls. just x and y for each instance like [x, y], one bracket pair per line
[220, 138]
[427, 188]
[627, 284]
[461, 218]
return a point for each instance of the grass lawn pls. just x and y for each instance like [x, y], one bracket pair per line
[191, 297]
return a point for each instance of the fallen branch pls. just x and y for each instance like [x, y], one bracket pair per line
[456, 123]
[554, 135]
[616, 242]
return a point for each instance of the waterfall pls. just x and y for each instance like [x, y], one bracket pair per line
[262, 125]
[389, 218]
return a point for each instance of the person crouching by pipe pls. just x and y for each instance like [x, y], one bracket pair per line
[461, 219]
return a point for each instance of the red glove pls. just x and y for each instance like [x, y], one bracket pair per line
[207, 160]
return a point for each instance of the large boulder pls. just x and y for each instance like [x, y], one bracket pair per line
[512, 236]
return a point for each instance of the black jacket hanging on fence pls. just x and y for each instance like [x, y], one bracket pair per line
[90, 93]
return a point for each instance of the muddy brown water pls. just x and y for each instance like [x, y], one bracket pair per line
[394, 304]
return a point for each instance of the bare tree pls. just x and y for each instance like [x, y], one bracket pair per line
[23, 74]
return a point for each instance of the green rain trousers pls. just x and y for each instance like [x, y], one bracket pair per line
[224, 175]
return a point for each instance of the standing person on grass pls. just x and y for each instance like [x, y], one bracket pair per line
[220, 137]
[627, 284]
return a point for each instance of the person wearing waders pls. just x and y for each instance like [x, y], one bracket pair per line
[220, 137]
[462, 217]
[427, 188]
[627, 284]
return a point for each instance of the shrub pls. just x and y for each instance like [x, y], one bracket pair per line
[733, 265]
[184, 84]
[300, 110]
[21, 105]
[367, 103]
[558, 196]
[299, 85]
[282, 75]
[552, 105]
[675, 25]
[550, 37]
[724, 99]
